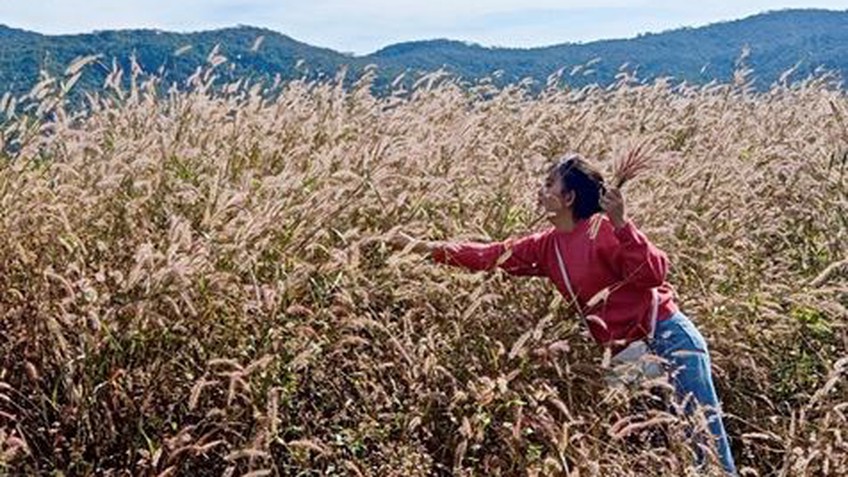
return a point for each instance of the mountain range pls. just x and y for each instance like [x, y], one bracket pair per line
[769, 43]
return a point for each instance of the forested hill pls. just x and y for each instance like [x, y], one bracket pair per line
[777, 41]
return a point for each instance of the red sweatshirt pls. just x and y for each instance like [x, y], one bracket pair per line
[623, 261]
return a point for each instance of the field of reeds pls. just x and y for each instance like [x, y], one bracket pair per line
[192, 281]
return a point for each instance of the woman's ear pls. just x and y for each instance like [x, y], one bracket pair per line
[568, 198]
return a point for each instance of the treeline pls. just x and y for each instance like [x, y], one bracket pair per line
[770, 44]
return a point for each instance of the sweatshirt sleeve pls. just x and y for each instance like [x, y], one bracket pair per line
[518, 256]
[629, 252]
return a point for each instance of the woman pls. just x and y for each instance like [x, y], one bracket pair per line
[610, 271]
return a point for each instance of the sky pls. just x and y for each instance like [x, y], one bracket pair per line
[364, 26]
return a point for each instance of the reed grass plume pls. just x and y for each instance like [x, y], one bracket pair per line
[189, 283]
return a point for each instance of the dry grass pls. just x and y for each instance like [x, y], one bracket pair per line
[187, 284]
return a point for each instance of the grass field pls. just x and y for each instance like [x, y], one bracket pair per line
[189, 283]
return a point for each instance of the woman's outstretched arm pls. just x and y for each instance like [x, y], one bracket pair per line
[516, 256]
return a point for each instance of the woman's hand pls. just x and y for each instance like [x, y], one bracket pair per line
[400, 241]
[613, 204]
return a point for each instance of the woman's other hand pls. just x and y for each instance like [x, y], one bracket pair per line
[401, 241]
[613, 204]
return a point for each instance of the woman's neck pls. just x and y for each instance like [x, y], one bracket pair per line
[564, 222]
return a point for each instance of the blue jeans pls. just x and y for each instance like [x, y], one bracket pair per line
[678, 341]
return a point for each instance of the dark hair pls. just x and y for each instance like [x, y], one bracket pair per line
[587, 182]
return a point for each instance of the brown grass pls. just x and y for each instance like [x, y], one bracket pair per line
[188, 285]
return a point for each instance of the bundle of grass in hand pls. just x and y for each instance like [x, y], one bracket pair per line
[637, 160]
[624, 169]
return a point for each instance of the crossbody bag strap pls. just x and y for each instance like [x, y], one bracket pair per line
[652, 317]
[565, 279]
[655, 297]
[655, 306]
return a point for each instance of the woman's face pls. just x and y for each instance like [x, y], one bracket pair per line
[551, 197]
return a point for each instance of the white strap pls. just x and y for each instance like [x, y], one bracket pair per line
[568, 285]
[655, 305]
[655, 296]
